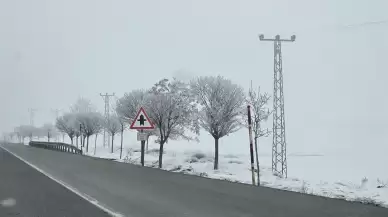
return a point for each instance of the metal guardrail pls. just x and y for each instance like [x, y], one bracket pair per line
[57, 146]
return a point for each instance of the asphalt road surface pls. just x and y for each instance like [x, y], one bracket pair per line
[146, 192]
[25, 192]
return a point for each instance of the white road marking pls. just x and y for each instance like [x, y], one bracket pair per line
[75, 191]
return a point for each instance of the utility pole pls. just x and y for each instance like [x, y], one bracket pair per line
[106, 98]
[32, 115]
[279, 148]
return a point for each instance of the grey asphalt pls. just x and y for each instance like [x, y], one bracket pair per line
[146, 192]
[35, 195]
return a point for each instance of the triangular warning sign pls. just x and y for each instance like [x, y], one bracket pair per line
[142, 121]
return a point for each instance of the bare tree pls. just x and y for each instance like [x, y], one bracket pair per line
[221, 102]
[92, 123]
[66, 124]
[258, 102]
[113, 126]
[171, 108]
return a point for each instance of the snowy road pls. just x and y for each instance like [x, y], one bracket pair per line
[25, 192]
[147, 192]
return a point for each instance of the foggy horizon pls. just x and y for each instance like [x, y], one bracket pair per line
[52, 52]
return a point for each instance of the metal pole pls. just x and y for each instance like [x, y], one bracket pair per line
[279, 146]
[106, 98]
[251, 145]
[142, 149]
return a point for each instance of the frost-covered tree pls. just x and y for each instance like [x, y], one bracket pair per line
[91, 123]
[127, 108]
[113, 125]
[16, 131]
[48, 130]
[128, 105]
[123, 124]
[171, 106]
[11, 136]
[67, 123]
[77, 133]
[27, 131]
[259, 113]
[149, 133]
[221, 107]
[83, 105]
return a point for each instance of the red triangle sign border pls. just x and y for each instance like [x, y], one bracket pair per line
[147, 118]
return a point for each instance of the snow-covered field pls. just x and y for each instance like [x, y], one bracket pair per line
[335, 176]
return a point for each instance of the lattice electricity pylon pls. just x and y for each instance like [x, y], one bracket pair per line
[279, 145]
[106, 98]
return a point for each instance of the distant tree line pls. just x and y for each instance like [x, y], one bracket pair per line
[179, 110]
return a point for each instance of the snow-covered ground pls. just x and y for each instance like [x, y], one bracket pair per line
[335, 176]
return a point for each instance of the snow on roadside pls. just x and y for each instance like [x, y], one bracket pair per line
[236, 168]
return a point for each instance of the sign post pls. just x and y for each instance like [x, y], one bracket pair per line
[251, 145]
[142, 122]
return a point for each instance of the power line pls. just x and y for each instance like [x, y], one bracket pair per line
[279, 146]
[106, 98]
[368, 23]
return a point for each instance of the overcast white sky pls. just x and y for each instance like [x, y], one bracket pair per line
[52, 51]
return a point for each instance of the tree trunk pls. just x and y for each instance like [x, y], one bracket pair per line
[80, 140]
[111, 150]
[257, 161]
[84, 139]
[76, 140]
[71, 139]
[95, 145]
[87, 145]
[121, 145]
[216, 153]
[161, 154]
